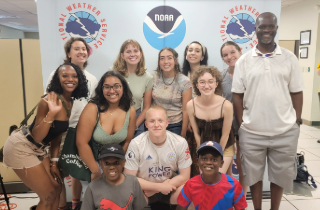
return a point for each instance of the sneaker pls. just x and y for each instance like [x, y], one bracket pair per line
[78, 207]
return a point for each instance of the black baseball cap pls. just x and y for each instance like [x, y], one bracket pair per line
[211, 145]
[111, 150]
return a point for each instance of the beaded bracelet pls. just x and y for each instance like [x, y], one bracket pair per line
[46, 121]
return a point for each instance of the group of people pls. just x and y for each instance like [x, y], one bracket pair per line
[156, 131]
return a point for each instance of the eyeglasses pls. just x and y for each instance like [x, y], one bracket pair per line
[264, 27]
[116, 87]
[203, 83]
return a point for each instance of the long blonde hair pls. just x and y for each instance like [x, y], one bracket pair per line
[120, 64]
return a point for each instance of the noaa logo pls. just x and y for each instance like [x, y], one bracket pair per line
[239, 26]
[171, 156]
[82, 20]
[164, 26]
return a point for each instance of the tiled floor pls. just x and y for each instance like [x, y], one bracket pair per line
[307, 143]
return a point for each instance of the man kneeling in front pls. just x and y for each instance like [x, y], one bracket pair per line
[160, 159]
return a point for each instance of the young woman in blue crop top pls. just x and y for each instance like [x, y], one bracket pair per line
[109, 118]
[26, 149]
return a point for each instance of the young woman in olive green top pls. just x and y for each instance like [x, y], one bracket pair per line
[116, 118]
[130, 63]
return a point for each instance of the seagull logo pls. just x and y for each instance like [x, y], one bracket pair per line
[155, 29]
[164, 26]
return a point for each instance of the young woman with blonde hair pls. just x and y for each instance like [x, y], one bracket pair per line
[131, 64]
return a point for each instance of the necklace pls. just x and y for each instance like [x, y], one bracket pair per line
[165, 87]
[113, 111]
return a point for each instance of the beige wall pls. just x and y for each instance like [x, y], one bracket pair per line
[295, 18]
[288, 44]
[12, 105]
[11, 111]
[32, 73]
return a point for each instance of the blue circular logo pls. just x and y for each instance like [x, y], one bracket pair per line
[84, 25]
[164, 26]
[241, 28]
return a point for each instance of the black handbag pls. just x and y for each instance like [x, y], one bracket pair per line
[302, 171]
[304, 176]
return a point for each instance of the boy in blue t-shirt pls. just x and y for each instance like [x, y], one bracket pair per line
[211, 189]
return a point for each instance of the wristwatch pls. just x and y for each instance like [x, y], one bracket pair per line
[299, 121]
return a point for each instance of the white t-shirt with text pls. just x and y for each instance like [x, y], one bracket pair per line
[157, 163]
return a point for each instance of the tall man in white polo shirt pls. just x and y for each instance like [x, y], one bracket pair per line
[154, 157]
[267, 98]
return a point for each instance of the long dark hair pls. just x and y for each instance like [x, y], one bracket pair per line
[82, 89]
[175, 57]
[126, 100]
[186, 65]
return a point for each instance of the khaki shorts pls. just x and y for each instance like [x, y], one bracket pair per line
[19, 153]
[229, 152]
[280, 152]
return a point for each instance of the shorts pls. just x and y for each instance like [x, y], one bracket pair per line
[280, 152]
[159, 197]
[229, 152]
[19, 153]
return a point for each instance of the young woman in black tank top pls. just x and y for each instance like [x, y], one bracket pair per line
[210, 114]
[26, 149]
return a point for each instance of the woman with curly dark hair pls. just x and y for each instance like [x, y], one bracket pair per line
[172, 91]
[195, 54]
[26, 148]
[108, 118]
[77, 51]
[210, 114]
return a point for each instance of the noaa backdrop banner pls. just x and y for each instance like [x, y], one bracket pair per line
[106, 24]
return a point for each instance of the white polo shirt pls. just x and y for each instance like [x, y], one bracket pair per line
[266, 83]
[156, 163]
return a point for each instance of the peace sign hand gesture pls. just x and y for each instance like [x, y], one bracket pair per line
[54, 104]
